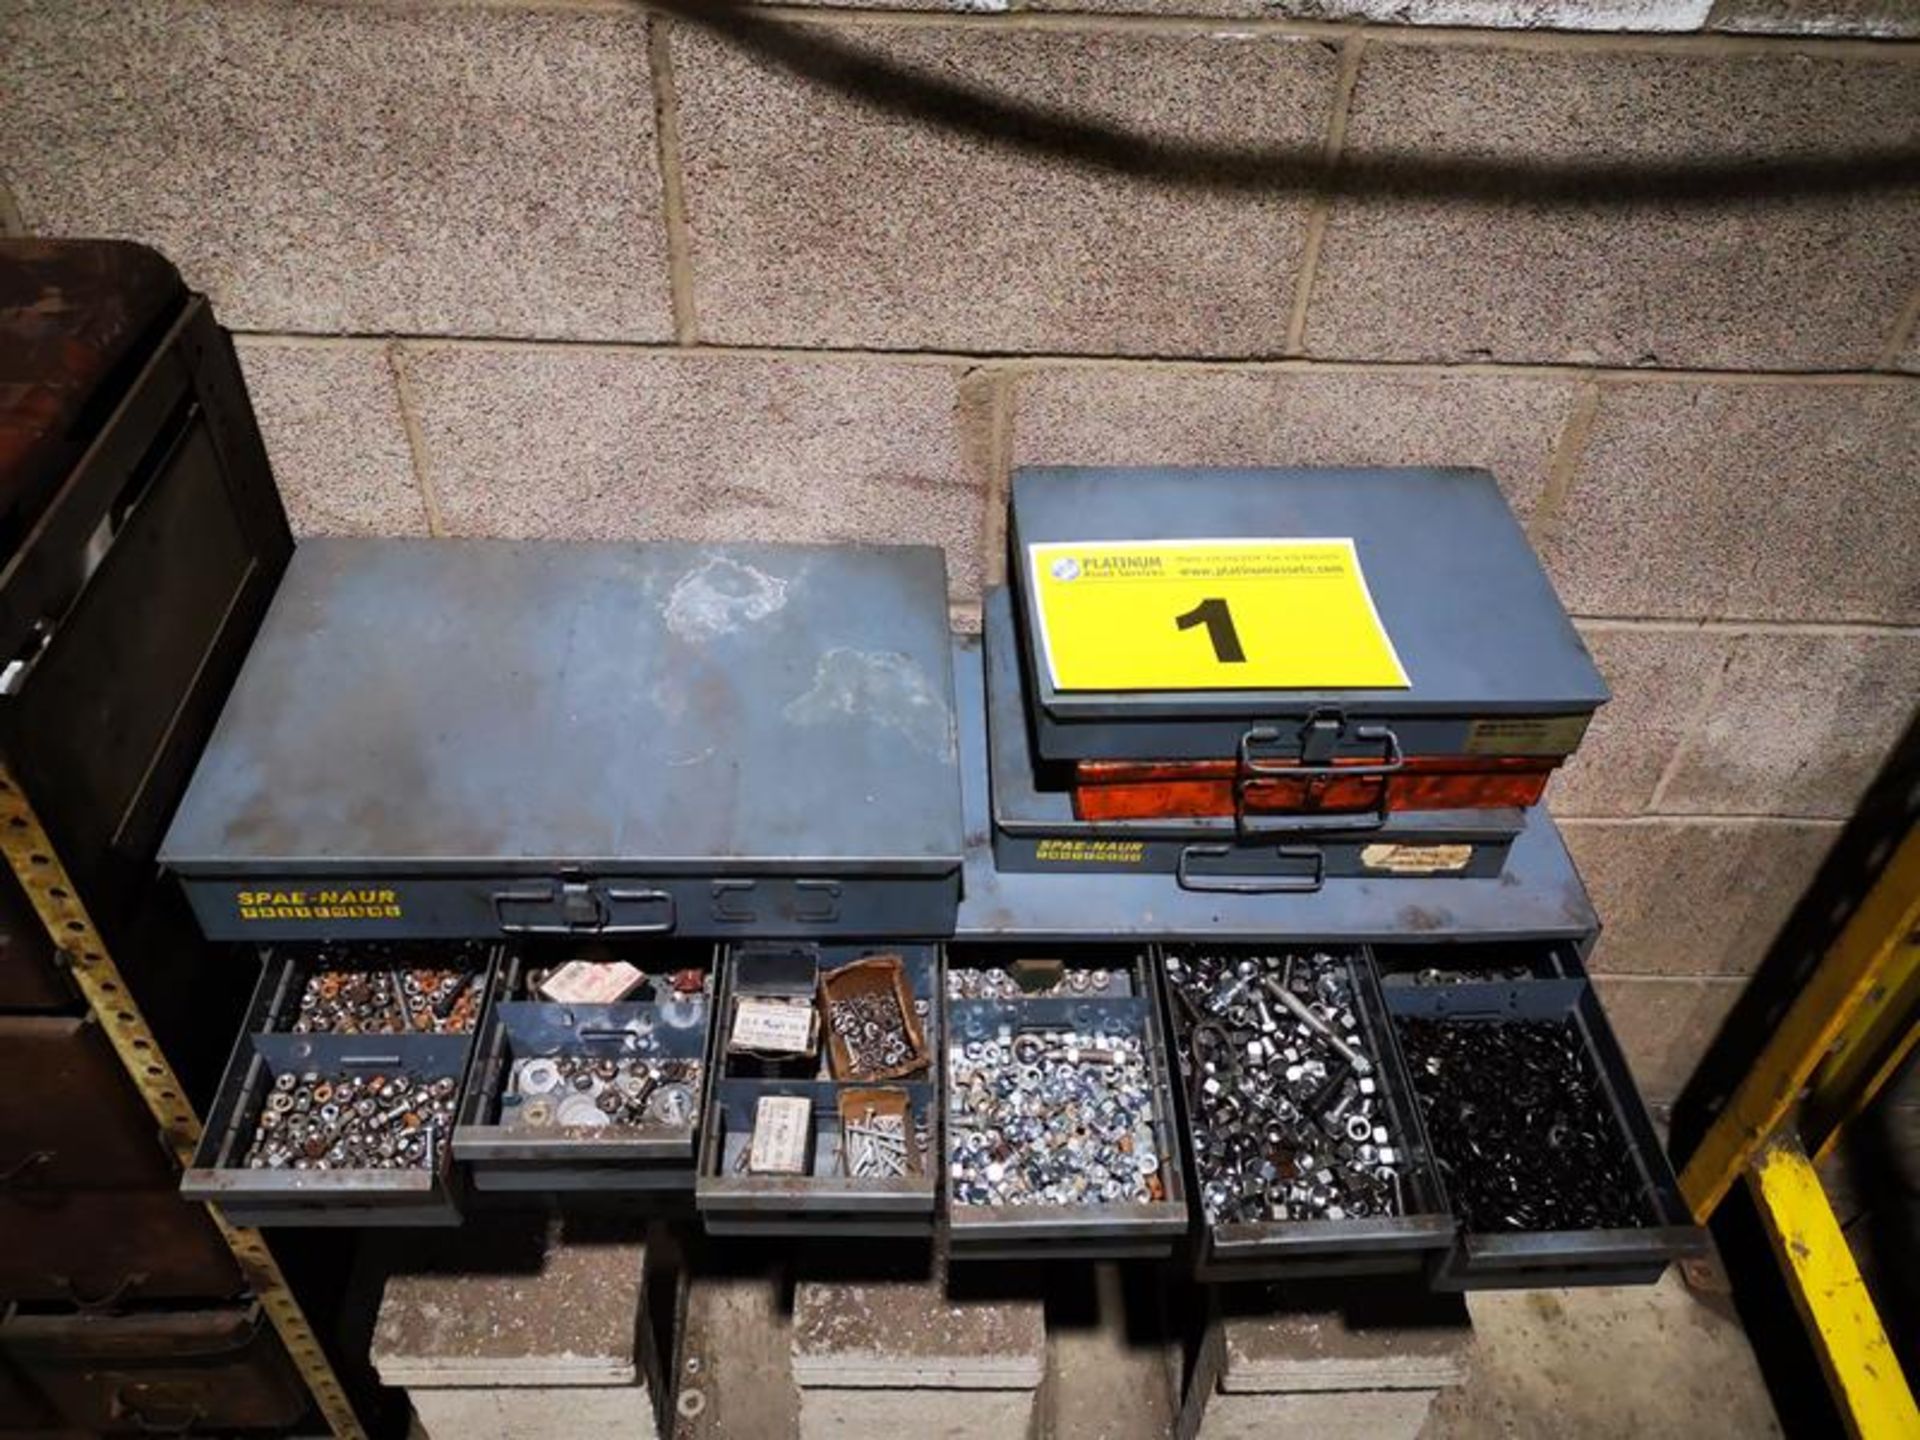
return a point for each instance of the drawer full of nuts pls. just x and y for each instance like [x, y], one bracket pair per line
[381, 988]
[1308, 1157]
[339, 1103]
[1061, 1137]
[334, 1130]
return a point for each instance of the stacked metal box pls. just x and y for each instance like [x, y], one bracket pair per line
[1176, 753]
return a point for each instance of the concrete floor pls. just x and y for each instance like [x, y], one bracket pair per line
[1642, 1362]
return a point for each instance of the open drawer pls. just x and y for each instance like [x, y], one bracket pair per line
[592, 1096]
[1061, 1137]
[1307, 1153]
[338, 1105]
[1546, 1152]
[829, 1116]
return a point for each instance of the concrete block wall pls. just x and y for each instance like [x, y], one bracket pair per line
[585, 268]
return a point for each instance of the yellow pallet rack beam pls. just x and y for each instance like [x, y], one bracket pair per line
[31, 856]
[1842, 1039]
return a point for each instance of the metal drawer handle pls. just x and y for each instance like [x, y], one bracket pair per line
[109, 1301]
[120, 1409]
[22, 1168]
[663, 898]
[1250, 884]
[500, 899]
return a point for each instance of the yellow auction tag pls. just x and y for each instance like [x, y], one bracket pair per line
[1210, 615]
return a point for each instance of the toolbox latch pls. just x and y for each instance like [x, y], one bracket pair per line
[580, 907]
[1320, 736]
[583, 907]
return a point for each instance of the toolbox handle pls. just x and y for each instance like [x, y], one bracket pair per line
[1392, 759]
[584, 910]
[385, 1062]
[1252, 769]
[1251, 884]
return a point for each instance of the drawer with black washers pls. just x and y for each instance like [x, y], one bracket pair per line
[1306, 1148]
[591, 1095]
[1061, 1133]
[796, 1139]
[1543, 1147]
[338, 1105]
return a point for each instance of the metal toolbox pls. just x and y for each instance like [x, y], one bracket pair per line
[821, 1200]
[269, 1048]
[1538, 896]
[177, 1372]
[1494, 667]
[1314, 1246]
[1520, 1258]
[1035, 829]
[705, 741]
[501, 1151]
[1120, 1003]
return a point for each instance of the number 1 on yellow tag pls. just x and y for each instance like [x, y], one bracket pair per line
[1265, 614]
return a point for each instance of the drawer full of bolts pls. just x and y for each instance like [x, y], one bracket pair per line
[1286, 1088]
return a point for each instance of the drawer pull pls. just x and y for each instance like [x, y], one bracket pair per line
[122, 1409]
[21, 1171]
[1234, 884]
[109, 1301]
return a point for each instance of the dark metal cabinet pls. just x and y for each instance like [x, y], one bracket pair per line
[68, 1118]
[194, 1372]
[140, 541]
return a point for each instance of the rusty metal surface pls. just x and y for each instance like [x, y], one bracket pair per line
[705, 709]
[72, 313]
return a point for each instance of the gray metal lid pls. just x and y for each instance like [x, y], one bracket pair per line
[1474, 620]
[420, 705]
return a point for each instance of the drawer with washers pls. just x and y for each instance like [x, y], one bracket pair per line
[1060, 1126]
[592, 1071]
[1308, 1154]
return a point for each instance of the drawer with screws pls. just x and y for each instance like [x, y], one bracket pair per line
[591, 1072]
[338, 1105]
[823, 1113]
[1308, 1156]
[1061, 1136]
[1547, 1156]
